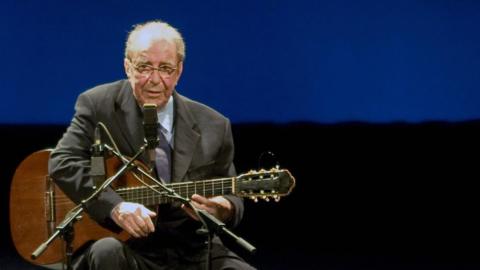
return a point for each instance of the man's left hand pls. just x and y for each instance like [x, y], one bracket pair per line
[218, 206]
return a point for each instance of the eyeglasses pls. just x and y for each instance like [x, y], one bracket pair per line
[147, 70]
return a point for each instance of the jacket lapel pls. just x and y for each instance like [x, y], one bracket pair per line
[186, 138]
[128, 117]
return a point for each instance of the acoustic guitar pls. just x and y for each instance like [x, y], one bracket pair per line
[37, 205]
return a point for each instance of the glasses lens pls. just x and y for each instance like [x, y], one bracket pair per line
[146, 70]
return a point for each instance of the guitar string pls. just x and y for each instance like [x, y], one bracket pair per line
[178, 189]
[150, 194]
[135, 192]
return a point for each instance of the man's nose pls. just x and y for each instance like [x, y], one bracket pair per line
[155, 77]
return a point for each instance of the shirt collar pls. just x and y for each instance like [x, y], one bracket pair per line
[165, 116]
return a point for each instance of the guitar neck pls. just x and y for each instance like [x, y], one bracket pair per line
[207, 188]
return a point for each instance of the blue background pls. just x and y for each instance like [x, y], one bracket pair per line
[255, 61]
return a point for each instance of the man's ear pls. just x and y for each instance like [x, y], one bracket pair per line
[127, 67]
[180, 68]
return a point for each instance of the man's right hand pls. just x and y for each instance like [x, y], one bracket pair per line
[134, 218]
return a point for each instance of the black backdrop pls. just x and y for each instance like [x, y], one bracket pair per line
[368, 196]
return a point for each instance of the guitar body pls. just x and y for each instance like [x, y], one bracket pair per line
[37, 205]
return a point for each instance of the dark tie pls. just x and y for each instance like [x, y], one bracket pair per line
[162, 157]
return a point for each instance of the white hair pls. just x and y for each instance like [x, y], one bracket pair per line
[142, 36]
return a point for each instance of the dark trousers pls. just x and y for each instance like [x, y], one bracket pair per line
[110, 253]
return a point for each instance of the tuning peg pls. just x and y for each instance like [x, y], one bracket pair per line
[265, 198]
[276, 198]
[255, 199]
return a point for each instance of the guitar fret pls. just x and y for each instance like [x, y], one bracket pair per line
[145, 196]
[139, 194]
[153, 198]
[180, 190]
[134, 194]
[140, 197]
[149, 197]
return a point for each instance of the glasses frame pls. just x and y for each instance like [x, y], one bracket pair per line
[161, 70]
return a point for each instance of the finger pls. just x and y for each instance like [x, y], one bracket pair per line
[200, 199]
[151, 227]
[195, 204]
[151, 214]
[189, 212]
[135, 223]
[141, 225]
[138, 218]
[147, 212]
[128, 226]
[147, 221]
[132, 224]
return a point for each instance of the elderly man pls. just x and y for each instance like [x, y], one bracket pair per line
[198, 145]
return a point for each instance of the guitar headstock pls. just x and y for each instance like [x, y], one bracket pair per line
[265, 184]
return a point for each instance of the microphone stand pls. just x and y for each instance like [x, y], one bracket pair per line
[65, 228]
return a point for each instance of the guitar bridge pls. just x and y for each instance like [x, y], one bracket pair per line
[50, 204]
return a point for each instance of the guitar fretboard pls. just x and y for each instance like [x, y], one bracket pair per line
[206, 188]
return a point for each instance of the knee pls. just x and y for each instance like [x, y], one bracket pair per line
[105, 247]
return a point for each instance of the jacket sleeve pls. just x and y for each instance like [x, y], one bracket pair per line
[69, 164]
[226, 155]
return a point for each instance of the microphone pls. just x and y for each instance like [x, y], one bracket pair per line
[150, 128]
[97, 160]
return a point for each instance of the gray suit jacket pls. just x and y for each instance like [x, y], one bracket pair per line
[203, 147]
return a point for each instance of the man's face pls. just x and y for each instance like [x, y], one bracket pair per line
[154, 73]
